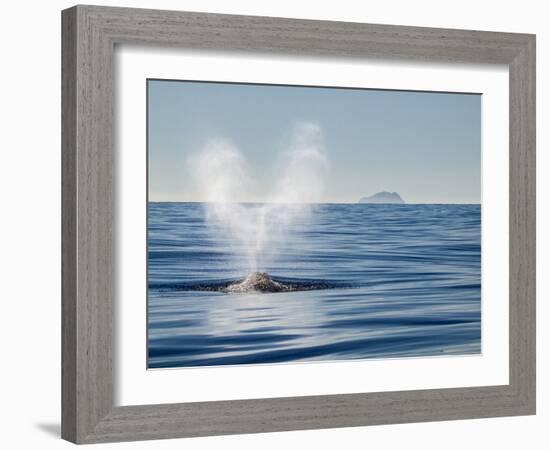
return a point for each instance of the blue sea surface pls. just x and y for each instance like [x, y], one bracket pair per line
[405, 281]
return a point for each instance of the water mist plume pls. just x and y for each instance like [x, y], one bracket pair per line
[222, 178]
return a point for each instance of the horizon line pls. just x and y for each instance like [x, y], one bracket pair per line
[317, 203]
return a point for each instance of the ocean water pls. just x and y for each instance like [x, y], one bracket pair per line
[395, 281]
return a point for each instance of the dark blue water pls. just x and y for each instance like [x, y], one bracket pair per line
[396, 281]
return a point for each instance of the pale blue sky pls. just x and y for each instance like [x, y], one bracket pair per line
[426, 146]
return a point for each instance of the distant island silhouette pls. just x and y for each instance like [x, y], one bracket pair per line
[383, 197]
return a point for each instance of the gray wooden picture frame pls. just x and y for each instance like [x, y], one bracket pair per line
[89, 37]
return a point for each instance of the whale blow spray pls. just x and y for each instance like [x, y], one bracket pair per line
[256, 231]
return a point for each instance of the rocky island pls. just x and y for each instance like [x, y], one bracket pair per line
[383, 197]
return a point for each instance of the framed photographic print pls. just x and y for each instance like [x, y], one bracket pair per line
[268, 222]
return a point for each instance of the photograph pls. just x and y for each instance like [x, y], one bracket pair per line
[275, 225]
[291, 224]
